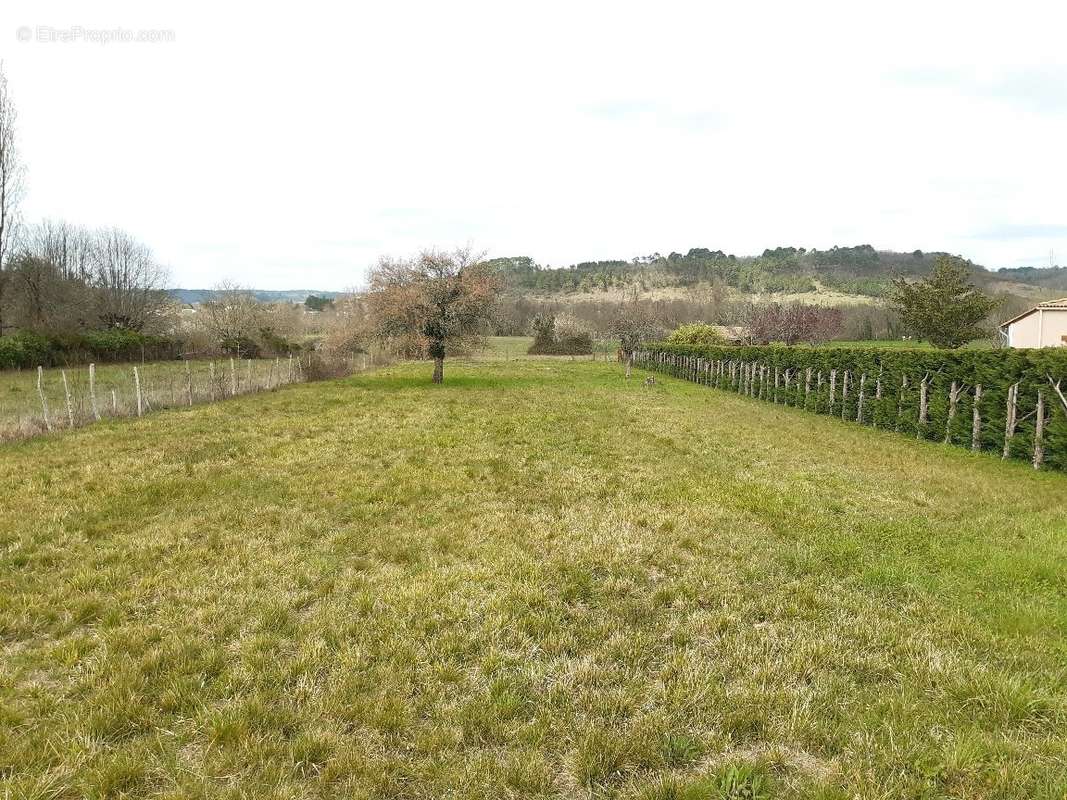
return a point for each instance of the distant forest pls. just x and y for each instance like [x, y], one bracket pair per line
[858, 270]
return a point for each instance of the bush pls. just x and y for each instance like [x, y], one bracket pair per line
[119, 345]
[275, 344]
[25, 350]
[697, 333]
[562, 336]
[892, 380]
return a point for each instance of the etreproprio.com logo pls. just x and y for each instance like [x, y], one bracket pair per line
[79, 34]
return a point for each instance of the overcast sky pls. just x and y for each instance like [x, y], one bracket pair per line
[289, 149]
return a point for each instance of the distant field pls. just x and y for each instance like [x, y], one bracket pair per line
[537, 580]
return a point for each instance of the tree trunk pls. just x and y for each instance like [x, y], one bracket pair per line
[438, 370]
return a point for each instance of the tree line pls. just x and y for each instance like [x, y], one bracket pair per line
[60, 278]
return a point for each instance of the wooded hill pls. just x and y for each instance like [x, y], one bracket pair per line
[861, 271]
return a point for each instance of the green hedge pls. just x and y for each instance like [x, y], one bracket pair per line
[751, 370]
[27, 350]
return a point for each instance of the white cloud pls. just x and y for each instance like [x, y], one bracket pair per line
[292, 147]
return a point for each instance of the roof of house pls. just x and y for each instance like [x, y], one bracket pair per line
[1054, 305]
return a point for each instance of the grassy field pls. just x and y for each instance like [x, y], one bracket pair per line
[537, 580]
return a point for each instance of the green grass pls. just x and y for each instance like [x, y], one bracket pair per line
[535, 580]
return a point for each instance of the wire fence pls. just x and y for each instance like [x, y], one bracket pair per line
[35, 402]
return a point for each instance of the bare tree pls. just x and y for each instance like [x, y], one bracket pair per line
[635, 324]
[792, 324]
[49, 277]
[11, 173]
[232, 318]
[128, 282]
[432, 303]
[41, 299]
[71, 249]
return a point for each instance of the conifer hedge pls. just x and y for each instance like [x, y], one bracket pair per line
[892, 381]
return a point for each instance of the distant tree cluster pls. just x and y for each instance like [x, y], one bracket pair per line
[61, 278]
[316, 303]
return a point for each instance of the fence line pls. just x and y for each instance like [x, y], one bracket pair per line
[758, 380]
[141, 389]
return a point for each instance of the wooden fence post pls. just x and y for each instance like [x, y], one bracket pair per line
[859, 400]
[833, 389]
[877, 396]
[924, 405]
[44, 400]
[92, 391]
[137, 389]
[233, 378]
[807, 387]
[211, 379]
[953, 399]
[976, 419]
[1010, 418]
[66, 394]
[844, 393]
[900, 401]
[188, 382]
[114, 403]
[1039, 431]
[291, 367]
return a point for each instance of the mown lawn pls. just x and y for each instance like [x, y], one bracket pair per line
[536, 580]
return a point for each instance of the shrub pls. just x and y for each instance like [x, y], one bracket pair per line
[25, 350]
[892, 380]
[697, 333]
[560, 336]
[274, 343]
